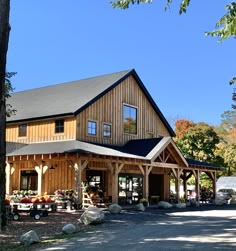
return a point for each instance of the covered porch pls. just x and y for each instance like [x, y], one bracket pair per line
[140, 169]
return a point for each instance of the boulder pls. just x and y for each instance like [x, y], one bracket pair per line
[140, 207]
[180, 205]
[69, 229]
[29, 238]
[164, 205]
[92, 215]
[114, 208]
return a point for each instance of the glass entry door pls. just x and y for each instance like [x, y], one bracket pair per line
[130, 189]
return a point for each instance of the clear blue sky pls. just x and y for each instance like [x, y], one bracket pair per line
[186, 72]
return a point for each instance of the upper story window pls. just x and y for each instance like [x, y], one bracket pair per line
[22, 130]
[92, 127]
[59, 126]
[106, 130]
[130, 119]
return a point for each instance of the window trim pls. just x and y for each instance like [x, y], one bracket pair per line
[96, 128]
[107, 124]
[20, 130]
[59, 126]
[136, 108]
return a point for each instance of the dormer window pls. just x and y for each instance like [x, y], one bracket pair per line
[22, 130]
[130, 119]
[59, 126]
[92, 128]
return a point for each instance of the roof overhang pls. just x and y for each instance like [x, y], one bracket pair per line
[161, 146]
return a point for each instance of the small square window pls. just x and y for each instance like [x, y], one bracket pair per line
[92, 128]
[106, 130]
[59, 126]
[22, 130]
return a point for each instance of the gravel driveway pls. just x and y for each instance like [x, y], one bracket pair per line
[206, 228]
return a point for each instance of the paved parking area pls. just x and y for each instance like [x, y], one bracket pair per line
[205, 228]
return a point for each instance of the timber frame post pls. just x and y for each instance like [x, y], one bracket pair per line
[177, 173]
[115, 170]
[79, 167]
[212, 176]
[146, 173]
[197, 174]
[40, 169]
[185, 178]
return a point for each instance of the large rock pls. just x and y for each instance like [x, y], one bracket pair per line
[180, 205]
[114, 208]
[69, 229]
[164, 205]
[140, 207]
[92, 215]
[29, 238]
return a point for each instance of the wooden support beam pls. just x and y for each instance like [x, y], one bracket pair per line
[141, 169]
[39, 170]
[146, 181]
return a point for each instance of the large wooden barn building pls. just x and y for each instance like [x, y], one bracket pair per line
[105, 131]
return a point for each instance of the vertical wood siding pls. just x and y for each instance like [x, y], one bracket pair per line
[109, 109]
[42, 131]
[62, 177]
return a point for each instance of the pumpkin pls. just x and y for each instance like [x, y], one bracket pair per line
[25, 200]
[48, 199]
[7, 202]
[42, 199]
[35, 200]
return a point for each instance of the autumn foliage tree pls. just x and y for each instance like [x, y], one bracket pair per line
[227, 147]
[197, 141]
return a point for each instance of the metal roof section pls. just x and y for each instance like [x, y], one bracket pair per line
[13, 146]
[72, 146]
[145, 149]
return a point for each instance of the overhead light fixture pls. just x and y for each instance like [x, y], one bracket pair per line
[53, 167]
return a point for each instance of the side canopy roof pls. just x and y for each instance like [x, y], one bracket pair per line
[71, 98]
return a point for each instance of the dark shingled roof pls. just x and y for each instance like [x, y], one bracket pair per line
[140, 146]
[71, 98]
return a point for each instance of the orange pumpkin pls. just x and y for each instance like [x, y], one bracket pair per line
[7, 202]
[25, 200]
[48, 199]
[35, 200]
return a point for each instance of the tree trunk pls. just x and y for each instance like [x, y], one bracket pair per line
[4, 38]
